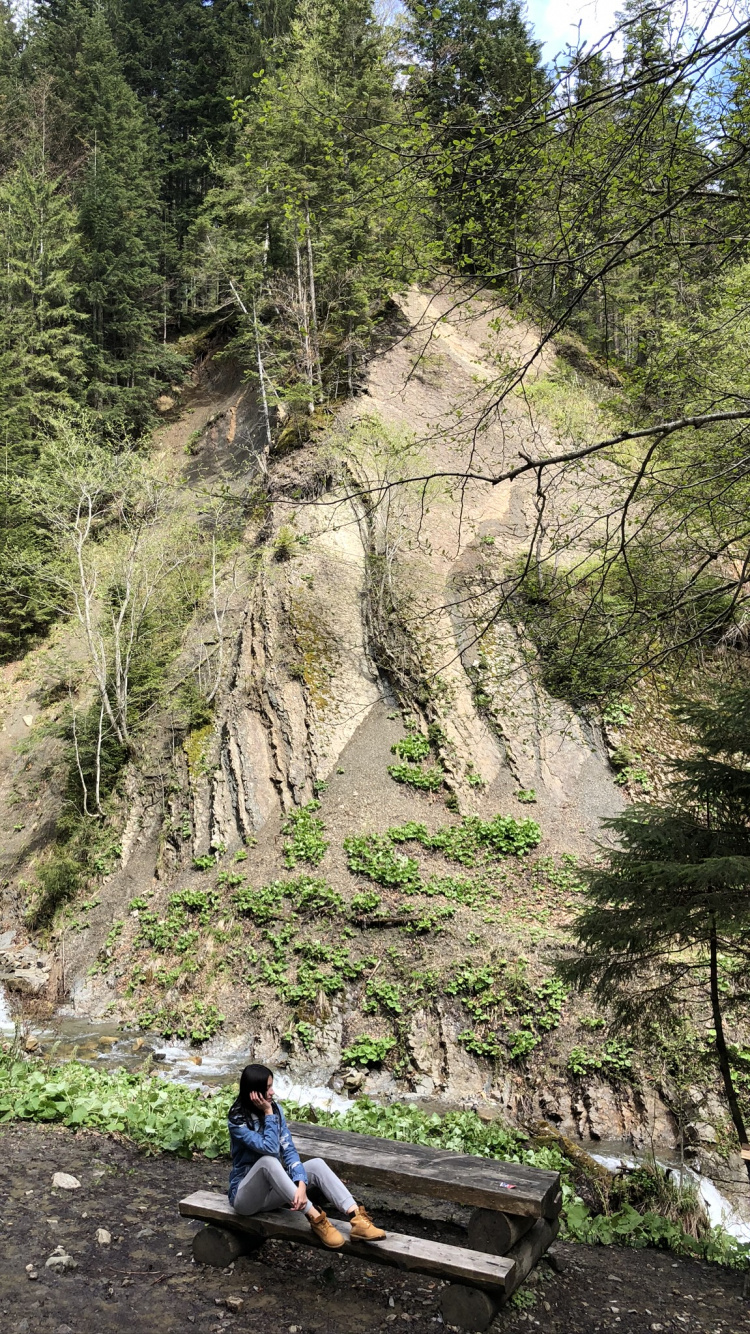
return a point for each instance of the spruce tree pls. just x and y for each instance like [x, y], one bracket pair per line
[313, 222]
[476, 73]
[41, 362]
[124, 270]
[666, 919]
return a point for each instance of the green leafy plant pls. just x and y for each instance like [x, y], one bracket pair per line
[367, 1051]
[304, 841]
[374, 856]
[426, 780]
[526, 794]
[413, 747]
[501, 836]
[613, 1061]
[366, 901]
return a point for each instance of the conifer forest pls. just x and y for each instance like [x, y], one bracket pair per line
[375, 584]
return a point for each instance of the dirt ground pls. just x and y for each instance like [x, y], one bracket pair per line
[145, 1280]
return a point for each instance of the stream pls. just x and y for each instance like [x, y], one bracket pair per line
[97, 1042]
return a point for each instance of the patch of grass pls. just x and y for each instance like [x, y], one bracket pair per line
[304, 841]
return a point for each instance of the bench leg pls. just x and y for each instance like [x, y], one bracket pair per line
[495, 1233]
[219, 1246]
[469, 1308]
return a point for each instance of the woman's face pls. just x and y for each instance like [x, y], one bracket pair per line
[269, 1088]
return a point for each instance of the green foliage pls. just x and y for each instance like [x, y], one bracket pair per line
[675, 887]
[383, 995]
[498, 995]
[612, 1061]
[526, 794]
[59, 881]
[374, 856]
[413, 747]
[365, 902]
[501, 836]
[304, 894]
[367, 1051]
[426, 780]
[174, 930]
[195, 1020]
[305, 841]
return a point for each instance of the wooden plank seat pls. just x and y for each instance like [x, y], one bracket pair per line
[410, 1253]
[510, 1188]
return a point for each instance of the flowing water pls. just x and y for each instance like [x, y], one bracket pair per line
[98, 1043]
[721, 1212]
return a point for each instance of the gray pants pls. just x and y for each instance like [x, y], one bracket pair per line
[267, 1186]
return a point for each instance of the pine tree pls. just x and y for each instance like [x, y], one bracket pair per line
[185, 59]
[312, 222]
[41, 344]
[476, 73]
[126, 242]
[667, 918]
[41, 361]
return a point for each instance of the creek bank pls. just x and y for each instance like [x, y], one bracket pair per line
[144, 1279]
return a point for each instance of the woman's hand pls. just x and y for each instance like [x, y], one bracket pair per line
[261, 1104]
[300, 1196]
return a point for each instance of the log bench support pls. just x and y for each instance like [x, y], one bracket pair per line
[515, 1217]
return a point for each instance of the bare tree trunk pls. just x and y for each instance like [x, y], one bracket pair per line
[313, 302]
[262, 380]
[721, 1049]
[304, 327]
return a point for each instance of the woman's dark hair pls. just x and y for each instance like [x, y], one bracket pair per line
[254, 1079]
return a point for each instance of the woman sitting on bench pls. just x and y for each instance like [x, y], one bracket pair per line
[266, 1168]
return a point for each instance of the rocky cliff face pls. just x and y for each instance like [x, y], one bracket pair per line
[353, 615]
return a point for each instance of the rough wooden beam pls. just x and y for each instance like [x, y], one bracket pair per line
[414, 1169]
[409, 1253]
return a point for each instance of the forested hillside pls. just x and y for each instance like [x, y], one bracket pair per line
[374, 542]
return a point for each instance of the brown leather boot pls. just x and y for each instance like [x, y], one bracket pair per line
[363, 1228]
[326, 1232]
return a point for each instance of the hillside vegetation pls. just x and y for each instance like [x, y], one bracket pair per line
[373, 535]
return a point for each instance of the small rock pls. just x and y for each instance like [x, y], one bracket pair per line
[103, 1237]
[28, 719]
[555, 1260]
[63, 1329]
[30, 1044]
[59, 1261]
[656, 1325]
[64, 1181]
[31, 1272]
[234, 1304]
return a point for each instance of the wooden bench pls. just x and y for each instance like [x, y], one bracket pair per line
[515, 1218]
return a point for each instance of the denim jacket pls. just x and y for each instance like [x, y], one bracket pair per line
[251, 1140]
